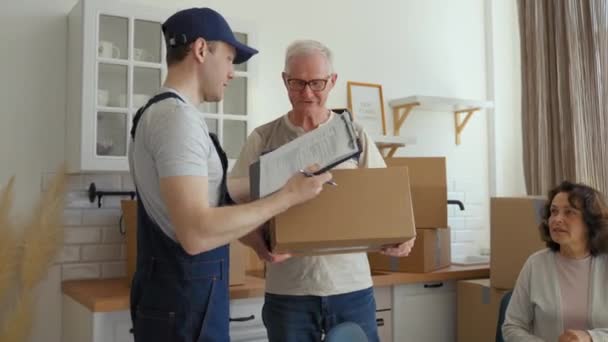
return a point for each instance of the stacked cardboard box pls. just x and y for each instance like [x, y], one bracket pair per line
[429, 199]
[477, 306]
[238, 257]
[367, 209]
[514, 236]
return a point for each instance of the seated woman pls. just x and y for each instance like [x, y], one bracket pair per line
[561, 293]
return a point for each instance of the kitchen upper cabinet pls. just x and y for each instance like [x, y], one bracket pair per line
[230, 118]
[116, 62]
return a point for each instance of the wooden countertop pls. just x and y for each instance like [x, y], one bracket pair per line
[104, 295]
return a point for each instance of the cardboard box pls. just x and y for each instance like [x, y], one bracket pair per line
[432, 251]
[477, 306]
[429, 189]
[129, 224]
[238, 253]
[369, 208]
[238, 261]
[514, 236]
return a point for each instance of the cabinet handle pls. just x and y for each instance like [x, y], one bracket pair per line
[433, 286]
[380, 322]
[243, 319]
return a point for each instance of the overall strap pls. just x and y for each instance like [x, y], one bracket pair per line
[153, 100]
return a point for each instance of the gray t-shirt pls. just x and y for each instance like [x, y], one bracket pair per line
[172, 139]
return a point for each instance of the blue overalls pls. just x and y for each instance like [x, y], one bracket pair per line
[175, 296]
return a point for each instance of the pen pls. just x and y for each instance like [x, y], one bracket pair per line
[308, 174]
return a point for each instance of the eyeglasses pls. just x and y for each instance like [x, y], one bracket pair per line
[296, 84]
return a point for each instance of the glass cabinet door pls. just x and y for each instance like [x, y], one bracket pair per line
[129, 73]
[146, 82]
[235, 135]
[147, 45]
[111, 140]
[234, 107]
[113, 37]
[235, 97]
[112, 86]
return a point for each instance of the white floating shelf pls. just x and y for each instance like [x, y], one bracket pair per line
[402, 107]
[440, 104]
[388, 144]
[389, 139]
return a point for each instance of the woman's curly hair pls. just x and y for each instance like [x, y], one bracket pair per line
[592, 205]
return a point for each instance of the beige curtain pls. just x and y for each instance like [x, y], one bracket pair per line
[564, 51]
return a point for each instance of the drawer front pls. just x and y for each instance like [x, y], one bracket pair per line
[384, 297]
[384, 320]
[246, 320]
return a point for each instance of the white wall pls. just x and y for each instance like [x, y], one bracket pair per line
[431, 47]
[505, 85]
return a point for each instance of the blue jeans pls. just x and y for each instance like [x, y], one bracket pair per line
[309, 318]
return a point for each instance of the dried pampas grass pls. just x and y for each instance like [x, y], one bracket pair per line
[8, 240]
[43, 234]
[30, 255]
[17, 325]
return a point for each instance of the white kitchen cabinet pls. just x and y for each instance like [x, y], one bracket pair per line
[384, 321]
[246, 320]
[116, 62]
[424, 312]
[81, 325]
[384, 313]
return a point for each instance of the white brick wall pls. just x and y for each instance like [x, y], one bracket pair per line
[93, 245]
[468, 226]
[113, 270]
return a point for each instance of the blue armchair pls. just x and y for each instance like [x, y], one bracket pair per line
[504, 303]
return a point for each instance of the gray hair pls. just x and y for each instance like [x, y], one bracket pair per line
[309, 47]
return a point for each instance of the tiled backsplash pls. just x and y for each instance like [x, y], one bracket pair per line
[95, 248]
[93, 244]
[467, 225]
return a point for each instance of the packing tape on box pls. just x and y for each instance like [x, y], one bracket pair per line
[485, 295]
[438, 250]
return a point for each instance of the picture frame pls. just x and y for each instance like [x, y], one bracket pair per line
[366, 104]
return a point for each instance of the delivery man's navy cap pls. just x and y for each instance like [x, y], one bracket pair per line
[185, 26]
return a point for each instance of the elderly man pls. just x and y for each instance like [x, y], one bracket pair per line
[307, 296]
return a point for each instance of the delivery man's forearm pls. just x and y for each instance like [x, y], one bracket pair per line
[200, 228]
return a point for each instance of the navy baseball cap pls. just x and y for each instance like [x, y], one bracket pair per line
[185, 26]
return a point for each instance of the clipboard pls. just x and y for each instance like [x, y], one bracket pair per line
[305, 144]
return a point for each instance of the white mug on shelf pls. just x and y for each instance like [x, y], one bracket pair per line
[107, 49]
[103, 96]
[142, 55]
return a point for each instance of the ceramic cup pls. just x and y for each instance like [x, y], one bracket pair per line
[102, 97]
[142, 55]
[108, 50]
